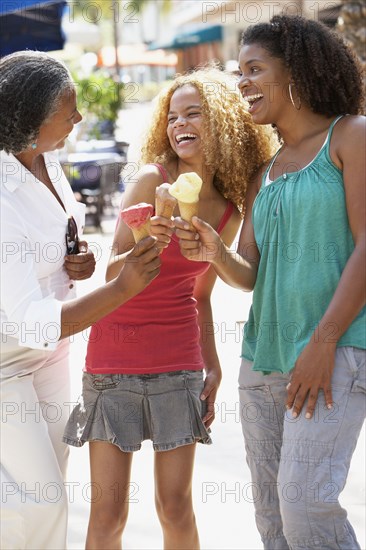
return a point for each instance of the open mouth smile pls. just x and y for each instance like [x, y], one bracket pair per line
[253, 99]
[185, 138]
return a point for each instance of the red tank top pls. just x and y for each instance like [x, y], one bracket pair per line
[157, 330]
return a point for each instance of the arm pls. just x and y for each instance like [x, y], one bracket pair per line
[202, 293]
[238, 269]
[141, 190]
[314, 367]
[34, 316]
[140, 267]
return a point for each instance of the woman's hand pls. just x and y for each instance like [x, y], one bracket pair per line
[312, 372]
[161, 228]
[201, 246]
[80, 266]
[141, 266]
[212, 383]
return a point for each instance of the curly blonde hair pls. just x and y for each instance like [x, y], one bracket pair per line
[234, 147]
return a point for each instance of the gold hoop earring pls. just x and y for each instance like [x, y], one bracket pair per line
[292, 99]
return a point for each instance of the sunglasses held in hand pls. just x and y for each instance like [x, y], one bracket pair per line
[72, 239]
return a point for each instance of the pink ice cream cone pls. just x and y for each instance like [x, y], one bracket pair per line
[137, 218]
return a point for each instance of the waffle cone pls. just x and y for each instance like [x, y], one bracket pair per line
[188, 210]
[141, 232]
[164, 208]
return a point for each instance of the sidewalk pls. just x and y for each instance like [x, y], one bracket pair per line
[222, 488]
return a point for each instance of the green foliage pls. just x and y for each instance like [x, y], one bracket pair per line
[99, 98]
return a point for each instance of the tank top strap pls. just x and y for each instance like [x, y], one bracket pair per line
[161, 169]
[265, 177]
[226, 216]
[330, 132]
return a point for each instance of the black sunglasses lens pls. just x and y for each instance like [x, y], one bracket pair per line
[72, 237]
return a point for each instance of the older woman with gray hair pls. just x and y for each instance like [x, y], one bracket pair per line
[41, 258]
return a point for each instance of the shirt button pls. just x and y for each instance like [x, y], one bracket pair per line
[45, 345]
[71, 286]
[285, 176]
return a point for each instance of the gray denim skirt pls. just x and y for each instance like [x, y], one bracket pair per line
[127, 409]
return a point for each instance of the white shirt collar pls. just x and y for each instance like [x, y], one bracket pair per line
[13, 173]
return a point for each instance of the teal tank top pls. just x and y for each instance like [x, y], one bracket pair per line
[302, 232]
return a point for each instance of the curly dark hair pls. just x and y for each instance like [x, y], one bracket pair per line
[326, 73]
[31, 86]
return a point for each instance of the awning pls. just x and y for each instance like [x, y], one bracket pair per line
[27, 24]
[10, 6]
[187, 39]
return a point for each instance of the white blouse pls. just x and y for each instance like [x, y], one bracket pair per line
[34, 282]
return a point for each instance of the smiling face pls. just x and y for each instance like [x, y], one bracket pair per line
[185, 126]
[54, 132]
[264, 84]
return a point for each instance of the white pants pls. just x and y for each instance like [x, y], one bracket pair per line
[33, 457]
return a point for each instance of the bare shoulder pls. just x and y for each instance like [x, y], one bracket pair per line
[349, 136]
[149, 174]
[150, 170]
[142, 188]
[349, 125]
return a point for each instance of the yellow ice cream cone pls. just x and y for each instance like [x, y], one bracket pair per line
[188, 210]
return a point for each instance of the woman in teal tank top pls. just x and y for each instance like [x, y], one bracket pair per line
[302, 251]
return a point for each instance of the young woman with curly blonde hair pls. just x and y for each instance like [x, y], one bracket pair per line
[145, 362]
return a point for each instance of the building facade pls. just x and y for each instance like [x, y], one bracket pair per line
[202, 30]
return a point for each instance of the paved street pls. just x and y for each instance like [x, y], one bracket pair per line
[222, 489]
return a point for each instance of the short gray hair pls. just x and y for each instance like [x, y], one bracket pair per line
[31, 86]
